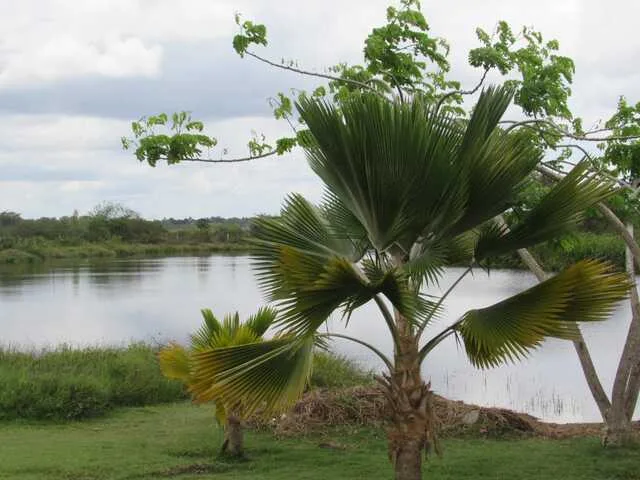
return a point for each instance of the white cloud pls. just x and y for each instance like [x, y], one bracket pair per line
[52, 164]
[45, 41]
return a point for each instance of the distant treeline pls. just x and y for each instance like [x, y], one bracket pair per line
[111, 230]
[129, 228]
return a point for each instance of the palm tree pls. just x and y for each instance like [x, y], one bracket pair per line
[407, 188]
[177, 362]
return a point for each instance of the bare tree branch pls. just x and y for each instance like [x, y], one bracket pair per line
[355, 83]
[230, 160]
[559, 130]
[595, 166]
[462, 92]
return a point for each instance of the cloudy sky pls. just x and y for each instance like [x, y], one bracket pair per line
[74, 74]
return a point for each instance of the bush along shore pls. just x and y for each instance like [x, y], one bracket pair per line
[111, 230]
[68, 383]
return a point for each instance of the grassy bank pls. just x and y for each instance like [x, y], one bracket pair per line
[181, 441]
[69, 384]
[42, 251]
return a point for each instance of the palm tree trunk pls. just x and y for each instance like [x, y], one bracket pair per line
[233, 444]
[411, 427]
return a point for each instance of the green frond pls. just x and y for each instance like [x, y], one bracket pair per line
[340, 286]
[310, 273]
[175, 362]
[403, 172]
[493, 165]
[427, 263]
[560, 210]
[388, 163]
[509, 330]
[262, 377]
[210, 328]
[260, 321]
[231, 324]
[344, 225]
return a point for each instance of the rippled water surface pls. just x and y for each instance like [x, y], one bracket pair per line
[117, 301]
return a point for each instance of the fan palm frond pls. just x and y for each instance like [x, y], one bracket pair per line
[266, 376]
[510, 329]
[559, 210]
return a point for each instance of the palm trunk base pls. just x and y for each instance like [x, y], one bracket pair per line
[412, 428]
[233, 445]
[406, 453]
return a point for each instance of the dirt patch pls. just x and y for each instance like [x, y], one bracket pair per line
[319, 409]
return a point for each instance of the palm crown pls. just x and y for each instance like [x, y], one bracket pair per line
[407, 187]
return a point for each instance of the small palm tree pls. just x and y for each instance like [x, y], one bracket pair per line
[178, 362]
[407, 187]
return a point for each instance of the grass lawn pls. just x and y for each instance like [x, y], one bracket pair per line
[180, 441]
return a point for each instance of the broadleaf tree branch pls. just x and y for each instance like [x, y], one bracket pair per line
[230, 160]
[326, 76]
[462, 92]
[557, 129]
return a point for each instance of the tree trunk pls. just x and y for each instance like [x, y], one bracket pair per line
[233, 444]
[619, 430]
[626, 388]
[411, 429]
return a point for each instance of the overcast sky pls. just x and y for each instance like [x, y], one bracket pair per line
[73, 74]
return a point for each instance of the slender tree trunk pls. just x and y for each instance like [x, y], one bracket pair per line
[233, 444]
[625, 386]
[411, 428]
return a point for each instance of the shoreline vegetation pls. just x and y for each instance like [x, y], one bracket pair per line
[75, 383]
[49, 251]
[69, 383]
[113, 231]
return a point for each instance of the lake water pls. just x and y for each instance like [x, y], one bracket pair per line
[155, 300]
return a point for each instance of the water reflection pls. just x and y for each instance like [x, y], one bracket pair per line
[158, 299]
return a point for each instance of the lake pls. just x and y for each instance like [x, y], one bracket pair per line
[155, 300]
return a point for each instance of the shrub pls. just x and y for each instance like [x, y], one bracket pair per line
[67, 383]
[331, 370]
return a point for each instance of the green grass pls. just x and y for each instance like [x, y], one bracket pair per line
[67, 383]
[170, 441]
[70, 383]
